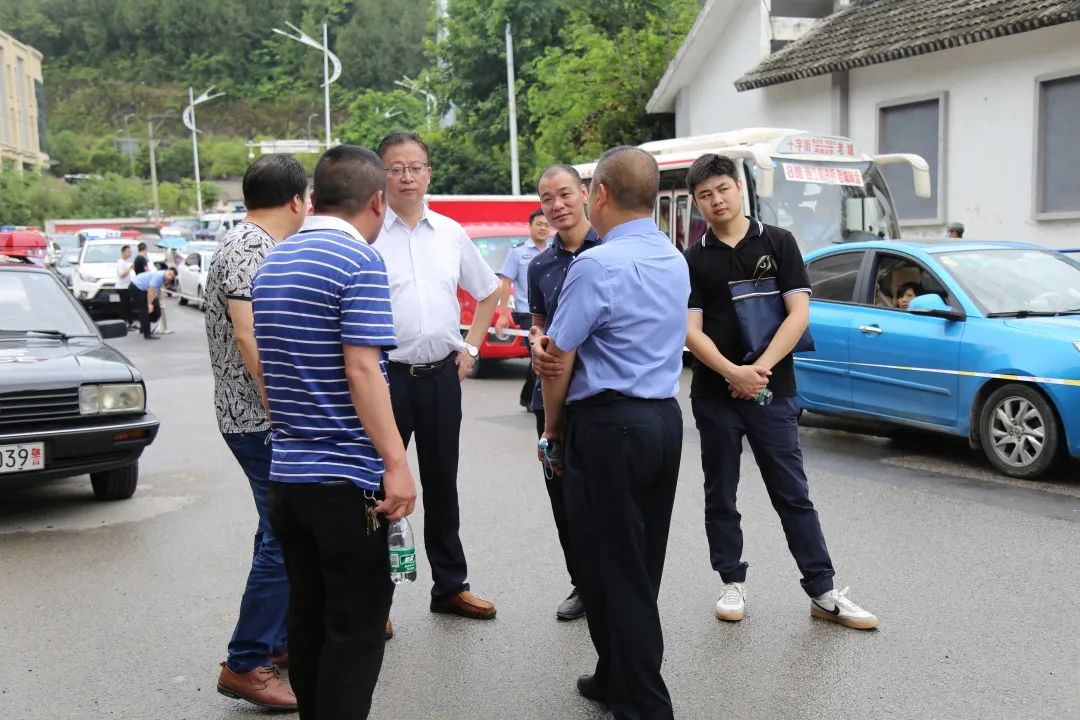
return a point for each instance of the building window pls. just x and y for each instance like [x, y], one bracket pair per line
[1057, 182]
[915, 125]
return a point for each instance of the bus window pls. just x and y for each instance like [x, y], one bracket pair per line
[663, 220]
[698, 226]
[682, 220]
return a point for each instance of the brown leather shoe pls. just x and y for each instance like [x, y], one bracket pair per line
[281, 662]
[464, 604]
[262, 687]
[389, 628]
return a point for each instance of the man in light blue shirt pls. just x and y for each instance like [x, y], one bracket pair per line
[515, 275]
[611, 367]
[145, 290]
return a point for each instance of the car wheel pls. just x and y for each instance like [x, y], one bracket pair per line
[1019, 431]
[118, 484]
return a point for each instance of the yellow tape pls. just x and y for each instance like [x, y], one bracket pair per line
[939, 371]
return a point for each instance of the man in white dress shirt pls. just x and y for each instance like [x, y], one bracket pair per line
[428, 256]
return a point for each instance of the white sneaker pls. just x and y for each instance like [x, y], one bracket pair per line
[836, 607]
[731, 606]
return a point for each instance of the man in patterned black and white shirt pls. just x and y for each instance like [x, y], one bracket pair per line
[275, 191]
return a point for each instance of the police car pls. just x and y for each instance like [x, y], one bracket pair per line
[69, 404]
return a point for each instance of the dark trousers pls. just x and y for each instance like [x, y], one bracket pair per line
[339, 596]
[558, 506]
[524, 321]
[125, 304]
[621, 469]
[138, 300]
[773, 432]
[429, 407]
[260, 627]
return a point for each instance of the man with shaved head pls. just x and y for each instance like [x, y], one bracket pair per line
[615, 348]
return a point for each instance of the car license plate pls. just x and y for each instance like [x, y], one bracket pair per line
[20, 458]
[114, 297]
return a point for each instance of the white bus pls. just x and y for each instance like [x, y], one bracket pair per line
[821, 188]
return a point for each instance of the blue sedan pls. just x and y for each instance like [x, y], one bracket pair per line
[979, 340]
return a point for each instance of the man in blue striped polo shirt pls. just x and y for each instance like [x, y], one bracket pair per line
[323, 325]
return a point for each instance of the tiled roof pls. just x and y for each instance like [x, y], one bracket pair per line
[869, 32]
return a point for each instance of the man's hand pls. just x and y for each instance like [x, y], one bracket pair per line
[748, 380]
[546, 365]
[399, 492]
[464, 364]
[552, 437]
[502, 322]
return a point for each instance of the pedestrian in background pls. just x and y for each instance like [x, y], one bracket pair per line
[124, 275]
[514, 276]
[428, 256]
[323, 325]
[275, 191]
[141, 263]
[618, 336]
[146, 291]
[955, 230]
[725, 393]
[562, 198]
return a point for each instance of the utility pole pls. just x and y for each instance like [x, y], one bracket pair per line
[515, 172]
[153, 169]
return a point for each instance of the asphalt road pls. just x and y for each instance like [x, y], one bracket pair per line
[124, 610]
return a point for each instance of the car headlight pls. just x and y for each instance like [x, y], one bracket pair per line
[106, 399]
[88, 278]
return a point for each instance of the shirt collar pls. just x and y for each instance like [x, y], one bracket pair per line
[329, 222]
[591, 238]
[392, 217]
[755, 229]
[630, 227]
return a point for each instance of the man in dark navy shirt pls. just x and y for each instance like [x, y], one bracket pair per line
[725, 385]
[562, 198]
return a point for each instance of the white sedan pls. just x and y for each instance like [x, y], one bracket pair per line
[191, 277]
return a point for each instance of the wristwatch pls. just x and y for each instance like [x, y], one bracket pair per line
[474, 352]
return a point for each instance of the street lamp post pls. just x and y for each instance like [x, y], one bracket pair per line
[189, 122]
[328, 57]
[309, 119]
[515, 172]
[429, 99]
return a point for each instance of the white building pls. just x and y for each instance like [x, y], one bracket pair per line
[988, 91]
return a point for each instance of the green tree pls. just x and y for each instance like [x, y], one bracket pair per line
[373, 114]
[109, 196]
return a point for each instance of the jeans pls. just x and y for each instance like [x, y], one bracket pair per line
[773, 433]
[260, 628]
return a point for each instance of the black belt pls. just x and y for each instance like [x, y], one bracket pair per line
[423, 369]
[602, 398]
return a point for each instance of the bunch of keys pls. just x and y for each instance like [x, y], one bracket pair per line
[550, 454]
[373, 521]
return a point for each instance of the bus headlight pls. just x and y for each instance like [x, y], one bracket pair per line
[106, 399]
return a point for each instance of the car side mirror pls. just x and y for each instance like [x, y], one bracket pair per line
[934, 305]
[110, 329]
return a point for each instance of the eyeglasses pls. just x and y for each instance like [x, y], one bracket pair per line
[414, 170]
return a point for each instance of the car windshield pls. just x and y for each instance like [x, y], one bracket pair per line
[198, 246]
[1016, 280]
[102, 253]
[813, 200]
[495, 249]
[67, 242]
[36, 301]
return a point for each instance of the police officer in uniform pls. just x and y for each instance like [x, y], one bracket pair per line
[610, 378]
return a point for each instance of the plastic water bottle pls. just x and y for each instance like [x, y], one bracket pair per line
[402, 552]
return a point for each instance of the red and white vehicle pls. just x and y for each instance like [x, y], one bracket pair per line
[496, 223]
[23, 244]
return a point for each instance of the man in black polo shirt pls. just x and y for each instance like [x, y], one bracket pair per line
[724, 389]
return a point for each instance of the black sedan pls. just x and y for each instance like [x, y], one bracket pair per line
[69, 404]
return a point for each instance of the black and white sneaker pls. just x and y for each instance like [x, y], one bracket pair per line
[836, 607]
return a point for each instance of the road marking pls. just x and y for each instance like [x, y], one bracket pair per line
[939, 371]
